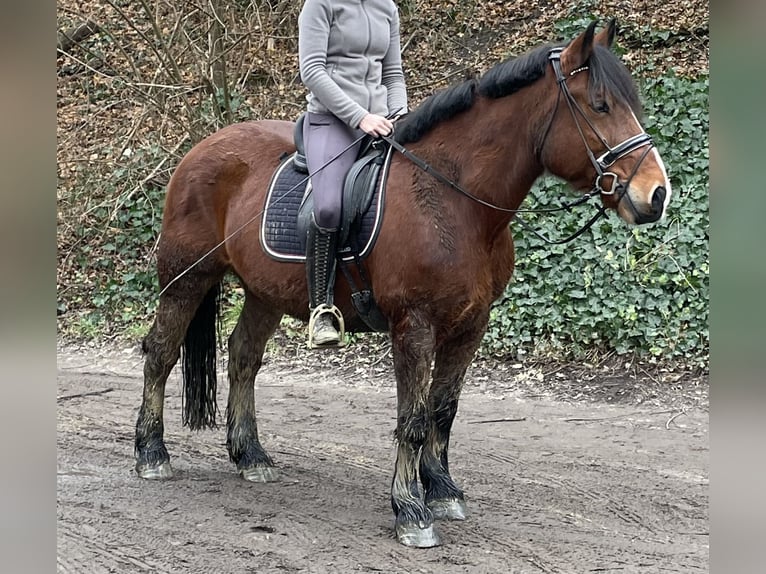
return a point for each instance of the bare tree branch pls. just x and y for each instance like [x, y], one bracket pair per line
[68, 39]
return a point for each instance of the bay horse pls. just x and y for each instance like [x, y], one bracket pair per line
[440, 260]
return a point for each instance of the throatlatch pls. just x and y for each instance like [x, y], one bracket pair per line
[326, 325]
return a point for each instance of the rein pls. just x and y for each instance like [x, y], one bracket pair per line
[600, 163]
[425, 166]
[600, 212]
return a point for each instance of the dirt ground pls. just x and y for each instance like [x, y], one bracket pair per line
[557, 479]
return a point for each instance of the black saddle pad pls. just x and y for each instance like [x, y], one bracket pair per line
[279, 226]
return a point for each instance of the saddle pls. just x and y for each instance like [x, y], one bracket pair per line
[289, 204]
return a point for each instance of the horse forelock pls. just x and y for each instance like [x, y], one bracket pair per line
[607, 75]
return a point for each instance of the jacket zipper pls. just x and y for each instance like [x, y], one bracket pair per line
[366, 54]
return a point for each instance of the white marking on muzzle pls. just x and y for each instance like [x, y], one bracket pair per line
[660, 163]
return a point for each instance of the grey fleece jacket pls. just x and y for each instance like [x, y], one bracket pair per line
[350, 58]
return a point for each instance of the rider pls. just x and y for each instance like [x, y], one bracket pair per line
[350, 61]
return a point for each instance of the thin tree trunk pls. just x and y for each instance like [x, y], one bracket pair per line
[221, 97]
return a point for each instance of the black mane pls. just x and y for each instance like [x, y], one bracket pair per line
[513, 74]
[437, 107]
[607, 75]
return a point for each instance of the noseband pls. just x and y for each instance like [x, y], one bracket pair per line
[612, 154]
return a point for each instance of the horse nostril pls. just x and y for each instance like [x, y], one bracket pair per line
[658, 199]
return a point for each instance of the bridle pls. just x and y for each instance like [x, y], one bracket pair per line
[612, 154]
[601, 163]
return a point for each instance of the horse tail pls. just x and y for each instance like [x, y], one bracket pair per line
[199, 364]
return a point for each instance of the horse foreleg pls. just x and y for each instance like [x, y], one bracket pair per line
[161, 347]
[442, 495]
[247, 343]
[412, 348]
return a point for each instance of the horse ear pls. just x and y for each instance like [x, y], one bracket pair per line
[607, 35]
[578, 51]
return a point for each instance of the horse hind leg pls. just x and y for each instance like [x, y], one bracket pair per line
[247, 343]
[179, 312]
[442, 495]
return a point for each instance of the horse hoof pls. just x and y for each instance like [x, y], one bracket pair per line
[448, 509]
[161, 471]
[413, 535]
[260, 474]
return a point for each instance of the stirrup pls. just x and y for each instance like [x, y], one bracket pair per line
[335, 312]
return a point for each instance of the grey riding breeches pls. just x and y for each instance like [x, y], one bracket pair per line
[324, 137]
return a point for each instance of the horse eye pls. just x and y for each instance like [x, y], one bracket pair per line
[601, 107]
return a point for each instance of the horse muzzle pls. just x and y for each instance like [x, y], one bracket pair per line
[641, 212]
[656, 207]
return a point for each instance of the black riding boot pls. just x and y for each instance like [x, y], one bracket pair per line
[326, 326]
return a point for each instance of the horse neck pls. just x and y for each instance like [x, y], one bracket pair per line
[491, 149]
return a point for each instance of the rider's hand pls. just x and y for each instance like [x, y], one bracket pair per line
[376, 125]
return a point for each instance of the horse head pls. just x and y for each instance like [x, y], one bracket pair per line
[593, 138]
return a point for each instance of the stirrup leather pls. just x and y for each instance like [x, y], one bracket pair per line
[335, 312]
